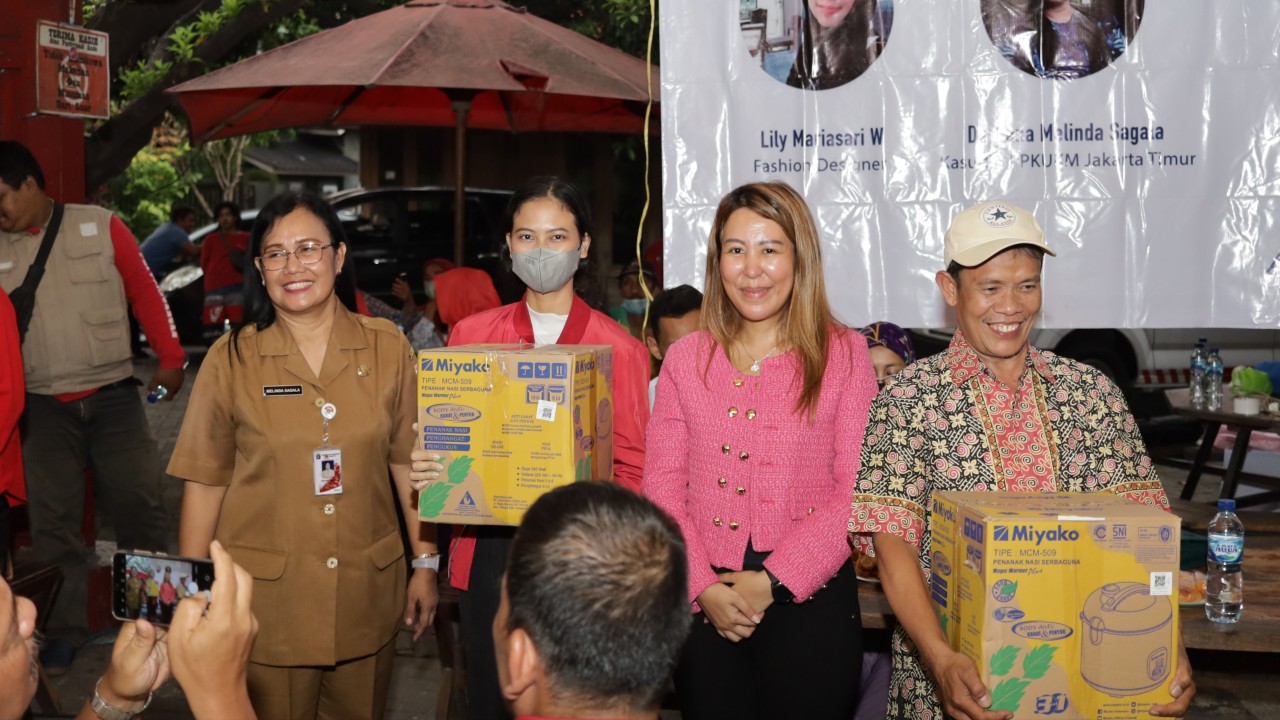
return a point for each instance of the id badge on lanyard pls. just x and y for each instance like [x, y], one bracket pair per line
[326, 460]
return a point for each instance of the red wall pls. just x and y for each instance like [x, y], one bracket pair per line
[58, 143]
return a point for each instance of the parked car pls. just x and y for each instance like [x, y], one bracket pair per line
[390, 230]
[1139, 358]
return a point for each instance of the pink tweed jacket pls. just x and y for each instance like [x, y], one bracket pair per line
[730, 459]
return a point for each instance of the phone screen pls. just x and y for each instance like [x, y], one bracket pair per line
[148, 586]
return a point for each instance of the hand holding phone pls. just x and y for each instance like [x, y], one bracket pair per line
[139, 666]
[210, 640]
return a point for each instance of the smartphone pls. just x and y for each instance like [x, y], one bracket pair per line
[147, 586]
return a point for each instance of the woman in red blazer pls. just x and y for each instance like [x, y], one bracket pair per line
[754, 445]
[549, 239]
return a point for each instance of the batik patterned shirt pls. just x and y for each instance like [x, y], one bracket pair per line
[946, 423]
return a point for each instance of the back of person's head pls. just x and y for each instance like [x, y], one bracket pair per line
[597, 580]
[17, 164]
[673, 303]
[178, 213]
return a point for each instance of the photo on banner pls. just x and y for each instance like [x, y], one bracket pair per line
[1061, 39]
[815, 44]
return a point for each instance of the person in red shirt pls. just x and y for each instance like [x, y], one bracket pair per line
[223, 251]
[548, 243]
[83, 408]
[13, 490]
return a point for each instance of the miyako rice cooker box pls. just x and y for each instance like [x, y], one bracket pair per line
[511, 423]
[1066, 602]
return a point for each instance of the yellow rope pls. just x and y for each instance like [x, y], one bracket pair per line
[644, 211]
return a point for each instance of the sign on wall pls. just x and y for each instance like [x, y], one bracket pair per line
[1145, 136]
[72, 73]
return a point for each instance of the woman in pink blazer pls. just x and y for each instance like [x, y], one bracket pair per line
[753, 448]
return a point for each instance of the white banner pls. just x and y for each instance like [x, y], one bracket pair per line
[1145, 139]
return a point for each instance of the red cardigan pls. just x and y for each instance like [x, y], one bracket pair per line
[511, 324]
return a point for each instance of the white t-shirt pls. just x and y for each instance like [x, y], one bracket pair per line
[546, 326]
[653, 392]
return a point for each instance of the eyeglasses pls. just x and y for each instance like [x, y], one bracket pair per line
[308, 254]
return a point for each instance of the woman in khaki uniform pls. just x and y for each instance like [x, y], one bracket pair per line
[292, 426]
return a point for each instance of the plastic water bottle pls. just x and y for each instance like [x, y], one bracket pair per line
[1199, 368]
[160, 393]
[1224, 587]
[1213, 393]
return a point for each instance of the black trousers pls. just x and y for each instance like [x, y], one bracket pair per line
[478, 606]
[803, 661]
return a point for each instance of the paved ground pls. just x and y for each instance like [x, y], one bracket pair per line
[1230, 688]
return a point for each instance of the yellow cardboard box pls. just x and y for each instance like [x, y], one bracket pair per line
[512, 422]
[1067, 602]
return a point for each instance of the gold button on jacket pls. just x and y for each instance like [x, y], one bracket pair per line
[328, 586]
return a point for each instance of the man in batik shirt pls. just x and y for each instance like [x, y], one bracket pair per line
[991, 413]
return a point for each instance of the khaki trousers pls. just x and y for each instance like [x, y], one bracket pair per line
[353, 689]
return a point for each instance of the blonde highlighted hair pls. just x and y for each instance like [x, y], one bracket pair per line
[806, 318]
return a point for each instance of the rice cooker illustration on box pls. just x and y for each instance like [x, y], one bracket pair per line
[1128, 643]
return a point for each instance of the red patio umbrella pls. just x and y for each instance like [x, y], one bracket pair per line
[467, 63]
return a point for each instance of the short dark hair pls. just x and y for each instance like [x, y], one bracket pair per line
[17, 164]
[258, 309]
[597, 577]
[673, 302]
[235, 210]
[178, 212]
[954, 268]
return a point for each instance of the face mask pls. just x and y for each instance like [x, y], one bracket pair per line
[429, 289]
[544, 270]
[635, 306]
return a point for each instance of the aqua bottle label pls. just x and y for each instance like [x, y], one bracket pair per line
[1226, 549]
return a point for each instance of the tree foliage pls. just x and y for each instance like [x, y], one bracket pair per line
[158, 45]
[623, 24]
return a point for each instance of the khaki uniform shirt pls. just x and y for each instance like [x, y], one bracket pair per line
[329, 571]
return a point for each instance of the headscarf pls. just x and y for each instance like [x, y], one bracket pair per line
[445, 265]
[463, 292]
[888, 335]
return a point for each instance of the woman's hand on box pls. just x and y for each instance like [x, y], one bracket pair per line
[424, 466]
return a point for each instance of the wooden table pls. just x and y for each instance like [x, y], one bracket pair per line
[1244, 425]
[1257, 631]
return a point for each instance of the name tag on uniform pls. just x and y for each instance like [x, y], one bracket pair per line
[277, 390]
